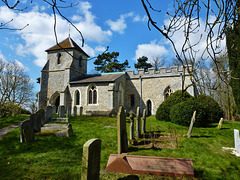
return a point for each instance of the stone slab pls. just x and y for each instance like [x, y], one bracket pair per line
[58, 119]
[132, 164]
[59, 130]
[237, 140]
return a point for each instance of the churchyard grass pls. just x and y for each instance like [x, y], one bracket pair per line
[6, 121]
[52, 157]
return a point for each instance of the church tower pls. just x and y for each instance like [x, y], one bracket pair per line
[66, 62]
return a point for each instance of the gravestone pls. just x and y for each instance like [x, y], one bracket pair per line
[191, 125]
[122, 133]
[132, 116]
[91, 159]
[75, 111]
[138, 123]
[144, 121]
[61, 111]
[36, 122]
[26, 131]
[237, 140]
[41, 115]
[220, 123]
[48, 113]
[69, 111]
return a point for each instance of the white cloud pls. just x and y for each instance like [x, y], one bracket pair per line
[21, 65]
[119, 25]
[2, 58]
[151, 50]
[100, 48]
[137, 18]
[38, 36]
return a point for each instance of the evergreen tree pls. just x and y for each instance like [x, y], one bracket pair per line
[142, 63]
[108, 62]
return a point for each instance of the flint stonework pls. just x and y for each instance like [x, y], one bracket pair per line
[91, 159]
[122, 133]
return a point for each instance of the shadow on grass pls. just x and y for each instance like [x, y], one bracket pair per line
[201, 136]
[135, 149]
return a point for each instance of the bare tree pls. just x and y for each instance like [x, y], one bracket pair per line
[15, 85]
[158, 62]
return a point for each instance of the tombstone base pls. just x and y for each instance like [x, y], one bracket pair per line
[132, 164]
[58, 119]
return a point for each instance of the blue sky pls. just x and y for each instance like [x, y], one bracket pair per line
[121, 25]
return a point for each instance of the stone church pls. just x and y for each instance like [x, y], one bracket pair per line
[64, 81]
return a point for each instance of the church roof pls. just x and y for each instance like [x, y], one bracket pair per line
[108, 77]
[68, 43]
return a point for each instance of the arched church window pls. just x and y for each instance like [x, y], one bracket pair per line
[80, 61]
[92, 95]
[77, 98]
[168, 92]
[59, 58]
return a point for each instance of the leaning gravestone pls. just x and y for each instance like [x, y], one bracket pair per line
[144, 121]
[91, 159]
[41, 115]
[122, 133]
[26, 131]
[237, 140]
[61, 111]
[48, 113]
[138, 123]
[36, 122]
[191, 125]
[220, 123]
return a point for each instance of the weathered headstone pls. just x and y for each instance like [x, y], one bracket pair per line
[144, 121]
[61, 111]
[26, 131]
[237, 140]
[132, 116]
[69, 111]
[48, 113]
[191, 125]
[36, 122]
[220, 123]
[138, 123]
[41, 115]
[91, 159]
[75, 111]
[122, 133]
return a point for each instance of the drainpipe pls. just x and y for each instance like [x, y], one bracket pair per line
[140, 78]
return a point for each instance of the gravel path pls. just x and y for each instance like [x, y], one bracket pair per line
[5, 130]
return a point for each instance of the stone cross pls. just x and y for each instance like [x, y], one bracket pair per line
[75, 111]
[122, 132]
[91, 159]
[61, 111]
[138, 123]
[132, 116]
[220, 123]
[191, 125]
[237, 140]
[144, 121]
[48, 113]
[27, 131]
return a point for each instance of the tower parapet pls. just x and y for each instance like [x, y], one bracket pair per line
[162, 72]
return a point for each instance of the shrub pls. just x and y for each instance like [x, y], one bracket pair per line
[215, 112]
[9, 109]
[163, 110]
[181, 113]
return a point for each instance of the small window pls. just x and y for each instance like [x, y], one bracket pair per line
[59, 58]
[132, 100]
[92, 95]
[77, 98]
[168, 92]
[80, 61]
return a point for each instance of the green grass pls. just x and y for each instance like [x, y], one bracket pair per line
[12, 120]
[52, 157]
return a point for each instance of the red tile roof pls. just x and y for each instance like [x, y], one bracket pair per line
[68, 43]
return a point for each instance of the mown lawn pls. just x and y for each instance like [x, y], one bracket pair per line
[60, 158]
[6, 121]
